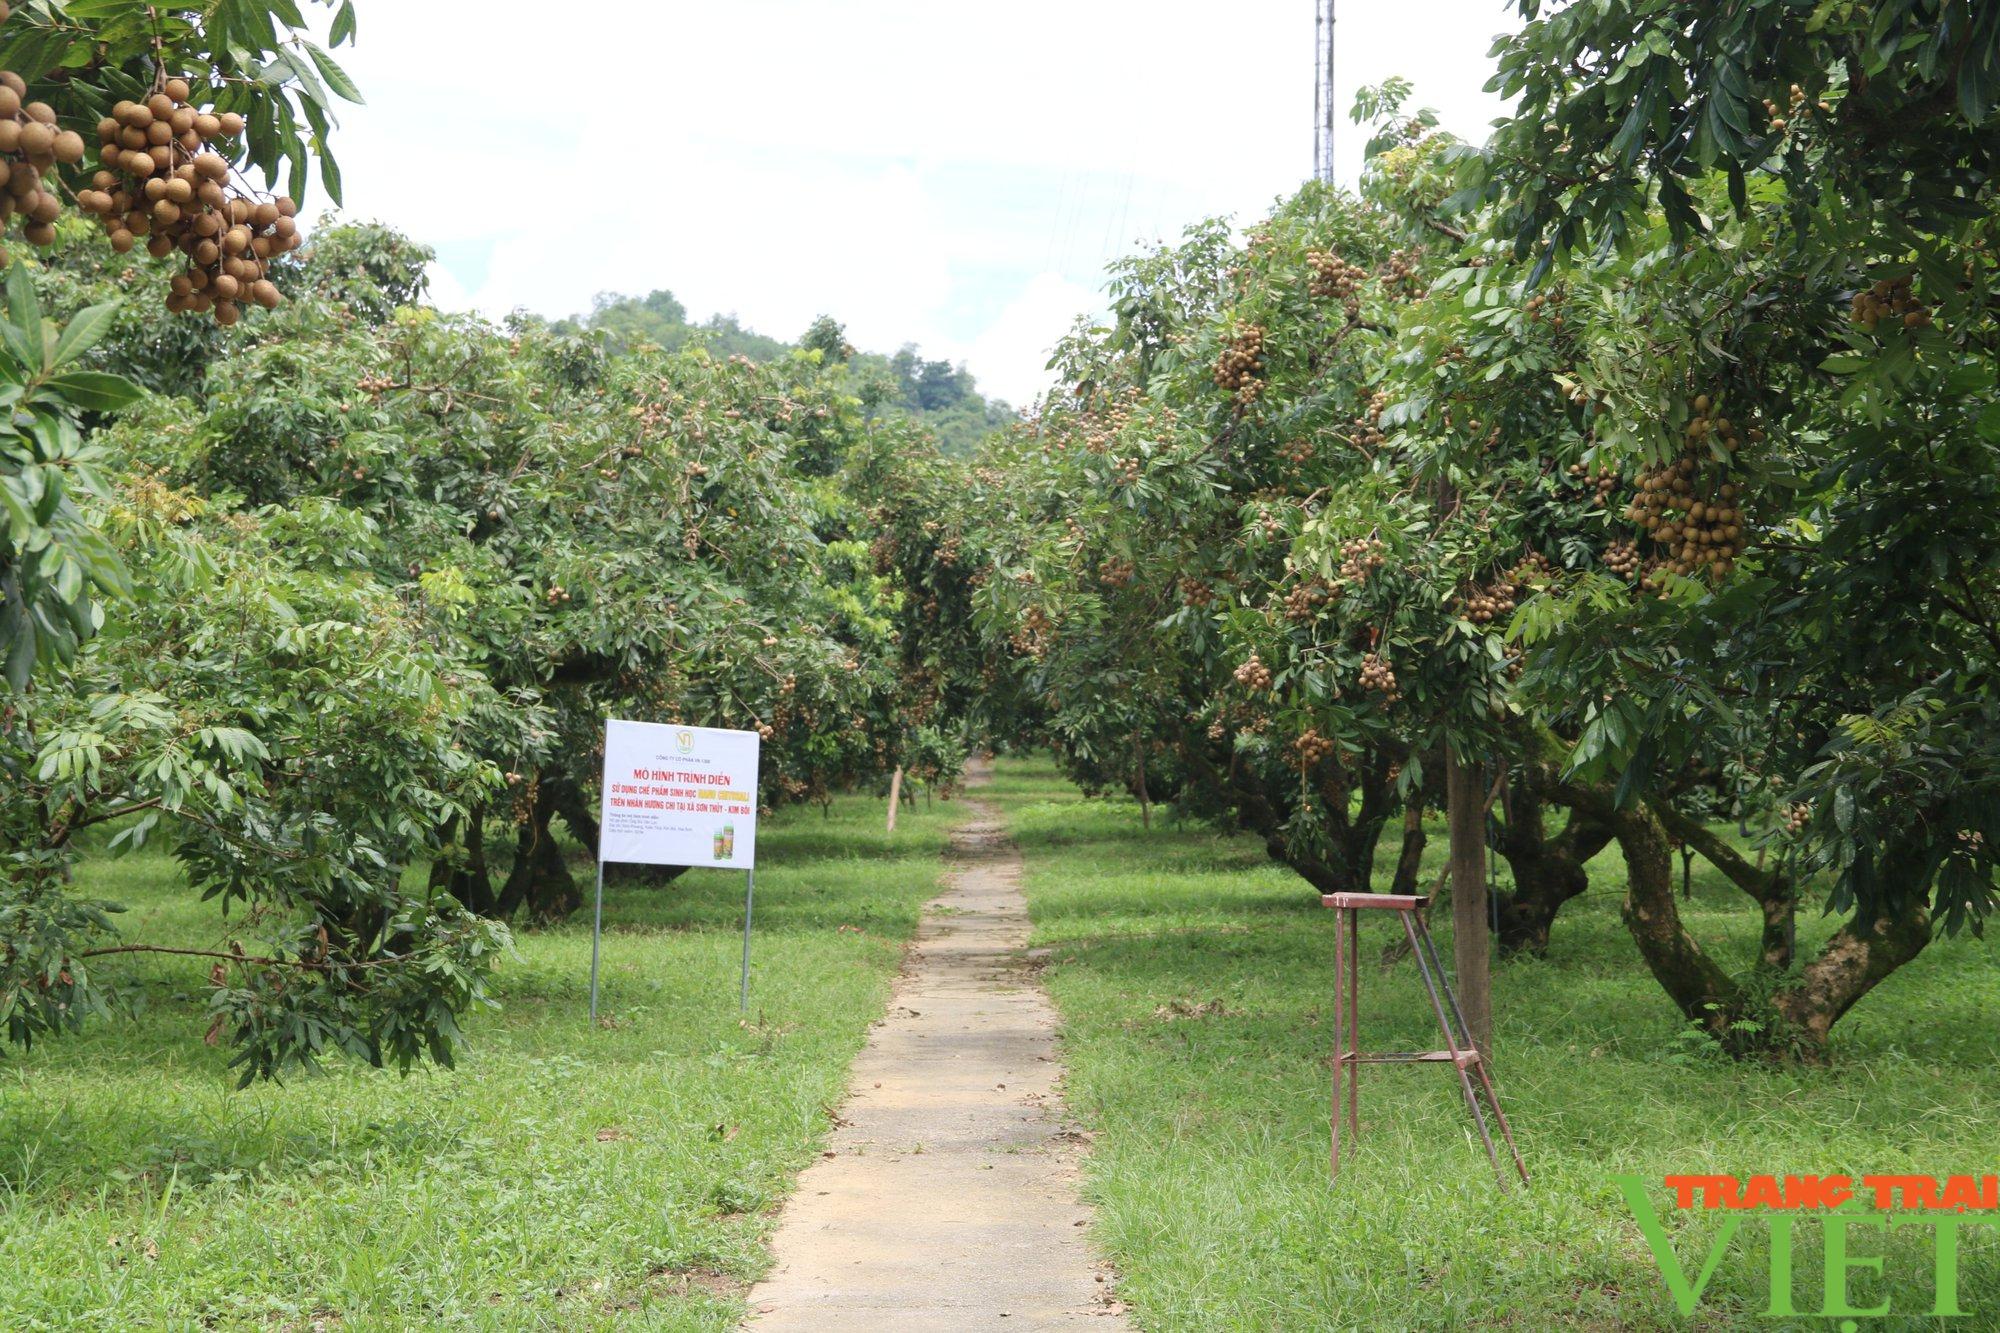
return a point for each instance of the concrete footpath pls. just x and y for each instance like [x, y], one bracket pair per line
[947, 1197]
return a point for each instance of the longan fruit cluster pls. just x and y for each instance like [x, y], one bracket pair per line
[31, 144]
[556, 595]
[1622, 559]
[1796, 101]
[1241, 364]
[1889, 299]
[1483, 606]
[1297, 452]
[1360, 558]
[1797, 817]
[160, 180]
[1403, 268]
[1709, 425]
[1378, 678]
[1311, 748]
[1116, 572]
[1531, 570]
[1196, 592]
[1697, 520]
[1303, 602]
[1032, 638]
[1367, 428]
[1333, 279]
[1602, 480]
[1253, 674]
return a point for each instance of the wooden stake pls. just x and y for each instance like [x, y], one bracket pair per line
[895, 796]
[1467, 819]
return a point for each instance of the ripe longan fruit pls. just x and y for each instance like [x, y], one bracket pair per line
[10, 136]
[40, 233]
[212, 165]
[231, 123]
[40, 112]
[161, 105]
[131, 138]
[69, 148]
[226, 288]
[265, 293]
[207, 125]
[10, 102]
[227, 313]
[159, 247]
[9, 79]
[182, 121]
[36, 138]
[177, 89]
[159, 134]
[136, 115]
[43, 206]
[180, 191]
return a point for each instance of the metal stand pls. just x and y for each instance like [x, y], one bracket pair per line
[749, 900]
[597, 938]
[1460, 1052]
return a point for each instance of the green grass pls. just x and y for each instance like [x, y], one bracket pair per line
[1208, 1166]
[560, 1177]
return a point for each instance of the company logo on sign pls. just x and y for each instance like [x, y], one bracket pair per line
[685, 739]
[1843, 1209]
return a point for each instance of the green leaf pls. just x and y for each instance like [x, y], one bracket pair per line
[23, 326]
[95, 391]
[85, 330]
[336, 77]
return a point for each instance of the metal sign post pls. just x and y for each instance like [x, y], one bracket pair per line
[677, 796]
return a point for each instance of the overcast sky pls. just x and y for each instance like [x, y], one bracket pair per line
[946, 174]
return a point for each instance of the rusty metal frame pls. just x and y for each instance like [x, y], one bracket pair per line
[1461, 1053]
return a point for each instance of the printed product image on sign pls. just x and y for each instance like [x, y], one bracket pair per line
[679, 796]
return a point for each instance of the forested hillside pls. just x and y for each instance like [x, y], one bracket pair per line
[938, 395]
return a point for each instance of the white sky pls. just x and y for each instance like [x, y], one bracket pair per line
[946, 174]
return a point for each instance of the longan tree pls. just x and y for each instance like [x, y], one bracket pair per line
[1788, 217]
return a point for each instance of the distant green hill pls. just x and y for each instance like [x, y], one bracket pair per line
[941, 396]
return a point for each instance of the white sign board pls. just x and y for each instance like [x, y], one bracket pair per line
[679, 796]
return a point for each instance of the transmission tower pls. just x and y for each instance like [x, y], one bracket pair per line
[1323, 107]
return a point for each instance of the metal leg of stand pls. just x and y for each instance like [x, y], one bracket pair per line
[596, 939]
[749, 900]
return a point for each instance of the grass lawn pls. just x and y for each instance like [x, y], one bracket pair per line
[561, 1177]
[1194, 980]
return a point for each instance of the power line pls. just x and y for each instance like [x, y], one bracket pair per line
[1323, 104]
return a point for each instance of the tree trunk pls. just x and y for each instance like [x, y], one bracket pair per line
[540, 881]
[1410, 859]
[1800, 1015]
[1466, 815]
[1776, 896]
[1854, 962]
[469, 881]
[1548, 872]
